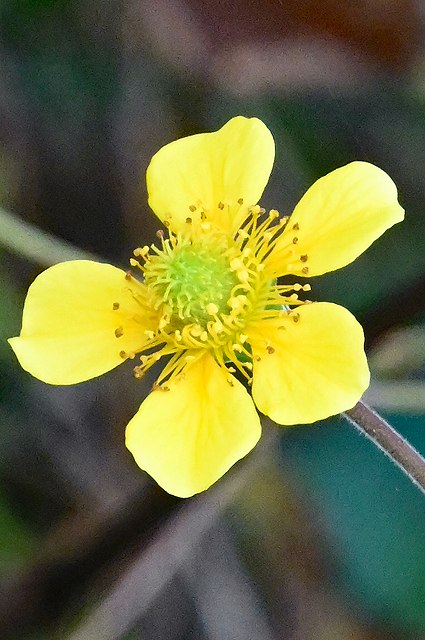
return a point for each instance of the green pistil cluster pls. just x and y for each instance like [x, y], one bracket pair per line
[190, 280]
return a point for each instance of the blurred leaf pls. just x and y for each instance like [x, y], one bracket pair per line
[372, 513]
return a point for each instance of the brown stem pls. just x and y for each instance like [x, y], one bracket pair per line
[389, 441]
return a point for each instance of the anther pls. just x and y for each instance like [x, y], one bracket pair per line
[160, 234]
[296, 226]
[295, 317]
[115, 306]
[307, 287]
[235, 264]
[221, 205]
[211, 309]
[192, 208]
[163, 321]
[188, 220]
[243, 338]
[243, 275]
[141, 252]
[119, 331]
[305, 270]
[134, 262]
[270, 349]
[123, 355]
[273, 213]
[138, 373]
[204, 336]
[295, 240]
[237, 302]
[240, 201]
[304, 258]
[129, 275]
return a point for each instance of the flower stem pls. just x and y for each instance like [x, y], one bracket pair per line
[370, 423]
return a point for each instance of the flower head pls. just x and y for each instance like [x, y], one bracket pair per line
[208, 299]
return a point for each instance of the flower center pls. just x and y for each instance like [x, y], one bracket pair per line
[193, 280]
[209, 289]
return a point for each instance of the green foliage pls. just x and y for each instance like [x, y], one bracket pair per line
[372, 516]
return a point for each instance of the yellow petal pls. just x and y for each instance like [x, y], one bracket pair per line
[212, 171]
[309, 369]
[189, 436]
[69, 323]
[336, 220]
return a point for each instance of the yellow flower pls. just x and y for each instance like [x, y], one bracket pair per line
[208, 298]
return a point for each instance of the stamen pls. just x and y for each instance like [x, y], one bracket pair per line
[212, 309]
[204, 289]
[141, 252]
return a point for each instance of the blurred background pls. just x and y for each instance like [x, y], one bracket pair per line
[315, 536]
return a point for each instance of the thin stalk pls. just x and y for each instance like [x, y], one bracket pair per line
[386, 438]
[28, 241]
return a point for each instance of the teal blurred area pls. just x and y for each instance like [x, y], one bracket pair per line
[326, 541]
[372, 515]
